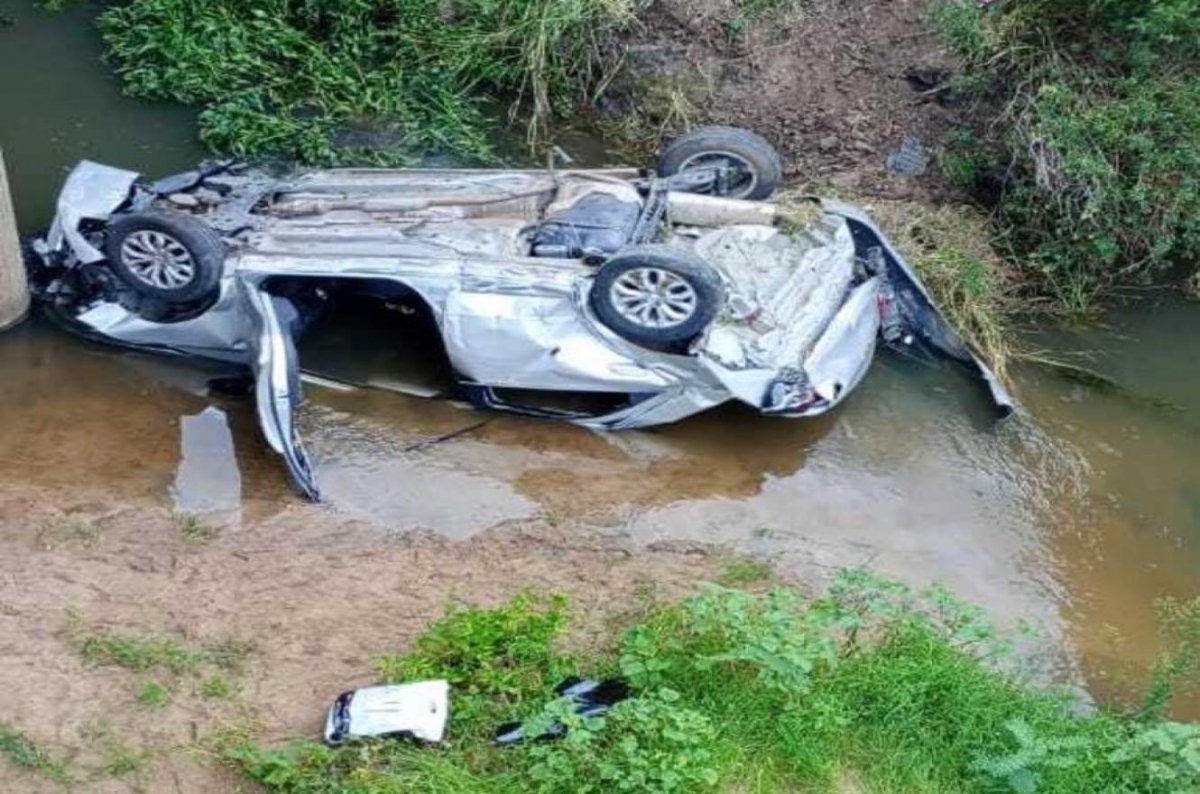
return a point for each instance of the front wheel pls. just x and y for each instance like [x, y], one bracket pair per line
[656, 296]
[168, 256]
[744, 165]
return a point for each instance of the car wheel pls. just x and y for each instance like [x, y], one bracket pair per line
[171, 257]
[656, 296]
[750, 167]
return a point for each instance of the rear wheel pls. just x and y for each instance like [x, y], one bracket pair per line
[171, 257]
[746, 165]
[656, 296]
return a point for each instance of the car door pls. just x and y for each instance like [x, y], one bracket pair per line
[277, 388]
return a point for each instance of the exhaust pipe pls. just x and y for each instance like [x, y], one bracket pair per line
[695, 209]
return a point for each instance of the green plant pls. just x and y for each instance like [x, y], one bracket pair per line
[1100, 108]
[1019, 769]
[1164, 755]
[370, 81]
[960, 23]
[962, 158]
[216, 687]
[193, 528]
[738, 570]
[776, 634]
[153, 695]
[746, 12]
[21, 751]
[650, 744]
[496, 656]
[138, 653]
[908, 689]
[119, 759]
[141, 653]
[1179, 663]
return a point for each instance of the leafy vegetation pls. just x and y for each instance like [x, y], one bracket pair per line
[1095, 134]
[901, 690]
[374, 81]
[21, 751]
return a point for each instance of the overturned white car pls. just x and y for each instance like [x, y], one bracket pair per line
[665, 292]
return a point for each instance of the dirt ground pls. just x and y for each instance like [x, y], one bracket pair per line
[826, 81]
[314, 598]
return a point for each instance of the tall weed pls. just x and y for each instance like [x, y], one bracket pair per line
[1096, 135]
[375, 81]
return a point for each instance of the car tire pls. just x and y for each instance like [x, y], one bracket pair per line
[760, 165]
[656, 296]
[168, 256]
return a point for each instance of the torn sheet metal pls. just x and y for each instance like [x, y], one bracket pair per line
[792, 324]
[917, 306]
[92, 193]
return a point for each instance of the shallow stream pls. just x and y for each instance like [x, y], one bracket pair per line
[1079, 514]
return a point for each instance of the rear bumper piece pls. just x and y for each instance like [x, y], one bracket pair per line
[919, 313]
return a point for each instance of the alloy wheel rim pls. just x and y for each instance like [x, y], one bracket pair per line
[158, 259]
[653, 297]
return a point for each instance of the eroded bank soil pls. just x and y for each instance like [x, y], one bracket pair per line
[836, 85]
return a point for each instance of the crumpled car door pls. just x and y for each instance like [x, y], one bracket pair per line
[277, 388]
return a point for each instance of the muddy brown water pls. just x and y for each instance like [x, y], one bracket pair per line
[1078, 514]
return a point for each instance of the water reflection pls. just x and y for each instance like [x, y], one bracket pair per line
[208, 482]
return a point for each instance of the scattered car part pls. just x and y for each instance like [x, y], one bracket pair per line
[415, 711]
[910, 159]
[591, 699]
[747, 166]
[610, 283]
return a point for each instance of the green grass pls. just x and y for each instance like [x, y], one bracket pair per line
[117, 759]
[53, 533]
[170, 660]
[361, 81]
[153, 695]
[217, 687]
[139, 653]
[21, 751]
[739, 571]
[747, 12]
[901, 690]
[192, 527]
[143, 652]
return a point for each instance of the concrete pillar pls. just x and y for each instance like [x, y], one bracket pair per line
[14, 289]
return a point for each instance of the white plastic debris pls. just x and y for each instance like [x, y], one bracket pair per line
[418, 710]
